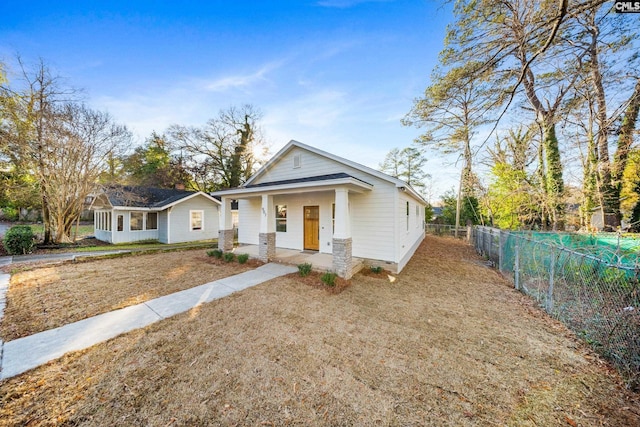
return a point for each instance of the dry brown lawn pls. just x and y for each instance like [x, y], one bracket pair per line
[448, 343]
[47, 297]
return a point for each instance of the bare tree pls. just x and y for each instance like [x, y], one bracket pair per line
[226, 150]
[30, 113]
[48, 133]
[74, 158]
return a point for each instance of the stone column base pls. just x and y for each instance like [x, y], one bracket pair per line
[342, 259]
[267, 247]
[225, 240]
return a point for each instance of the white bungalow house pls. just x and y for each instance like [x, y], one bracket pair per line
[127, 214]
[310, 200]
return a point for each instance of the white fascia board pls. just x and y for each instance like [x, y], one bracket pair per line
[133, 208]
[408, 189]
[353, 184]
[191, 196]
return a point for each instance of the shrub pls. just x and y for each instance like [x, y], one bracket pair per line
[329, 278]
[242, 258]
[229, 256]
[304, 269]
[19, 240]
[217, 253]
[376, 269]
[9, 213]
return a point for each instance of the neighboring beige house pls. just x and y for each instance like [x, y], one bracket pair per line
[128, 214]
[310, 200]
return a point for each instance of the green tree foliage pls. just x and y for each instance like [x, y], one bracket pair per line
[513, 198]
[469, 211]
[408, 165]
[154, 165]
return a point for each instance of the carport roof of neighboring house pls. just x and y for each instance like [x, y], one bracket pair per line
[148, 197]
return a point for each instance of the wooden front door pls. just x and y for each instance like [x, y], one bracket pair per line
[312, 228]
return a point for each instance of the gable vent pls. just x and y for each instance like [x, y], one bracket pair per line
[297, 161]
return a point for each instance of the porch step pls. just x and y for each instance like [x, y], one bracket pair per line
[357, 264]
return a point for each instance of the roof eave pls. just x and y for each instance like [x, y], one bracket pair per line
[353, 184]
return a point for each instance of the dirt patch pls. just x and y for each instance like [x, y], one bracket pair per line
[447, 343]
[51, 296]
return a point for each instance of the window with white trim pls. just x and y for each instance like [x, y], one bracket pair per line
[152, 221]
[281, 218]
[197, 220]
[136, 221]
[120, 222]
[333, 217]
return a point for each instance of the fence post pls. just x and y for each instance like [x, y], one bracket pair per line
[552, 273]
[500, 251]
[516, 266]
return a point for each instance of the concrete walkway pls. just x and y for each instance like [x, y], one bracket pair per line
[25, 353]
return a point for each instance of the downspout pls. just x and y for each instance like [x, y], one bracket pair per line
[169, 225]
[396, 242]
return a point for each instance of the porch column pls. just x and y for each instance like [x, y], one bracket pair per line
[342, 259]
[267, 236]
[225, 229]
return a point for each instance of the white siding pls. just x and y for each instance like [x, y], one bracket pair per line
[378, 217]
[371, 221]
[163, 231]
[180, 227]
[311, 165]
[409, 237]
[293, 238]
[249, 220]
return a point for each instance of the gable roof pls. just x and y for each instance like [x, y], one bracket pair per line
[149, 197]
[293, 143]
[306, 179]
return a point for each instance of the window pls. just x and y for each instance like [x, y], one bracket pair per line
[417, 215]
[197, 218]
[135, 221]
[333, 217]
[152, 221]
[281, 218]
[103, 221]
[407, 216]
[120, 222]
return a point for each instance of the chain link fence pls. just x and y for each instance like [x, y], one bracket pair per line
[598, 300]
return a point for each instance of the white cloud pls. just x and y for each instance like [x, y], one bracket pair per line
[242, 81]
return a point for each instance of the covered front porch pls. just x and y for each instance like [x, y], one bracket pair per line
[296, 221]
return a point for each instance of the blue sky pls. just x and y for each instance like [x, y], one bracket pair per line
[335, 74]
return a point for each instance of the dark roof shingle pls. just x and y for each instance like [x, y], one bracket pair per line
[143, 197]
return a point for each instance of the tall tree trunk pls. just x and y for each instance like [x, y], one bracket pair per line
[590, 184]
[554, 184]
[609, 202]
[625, 141]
